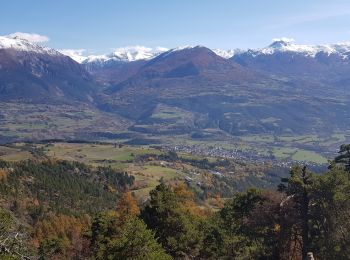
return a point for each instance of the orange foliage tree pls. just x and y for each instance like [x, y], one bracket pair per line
[127, 206]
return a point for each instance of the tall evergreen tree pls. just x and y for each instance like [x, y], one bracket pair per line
[116, 237]
[298, 188]
[331, 215]
[173, 222]
[343, 159]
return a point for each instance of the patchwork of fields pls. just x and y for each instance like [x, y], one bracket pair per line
[150, 166]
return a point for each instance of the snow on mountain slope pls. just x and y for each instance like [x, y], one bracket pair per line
[288, 45]
[96, 58]
[227, 54]
[224, 53]
[76, 55]
[124, 54]
[18, 44]
[133, 53]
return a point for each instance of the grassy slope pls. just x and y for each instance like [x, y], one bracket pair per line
[118, 158]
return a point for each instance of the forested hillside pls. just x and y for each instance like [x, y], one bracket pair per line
[67, 210]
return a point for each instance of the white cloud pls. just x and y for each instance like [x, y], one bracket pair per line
[32, 37]
[284, 39]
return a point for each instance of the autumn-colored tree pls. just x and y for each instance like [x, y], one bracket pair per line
[61, 236]
[3, 174]
[185, 198]
[127, 206]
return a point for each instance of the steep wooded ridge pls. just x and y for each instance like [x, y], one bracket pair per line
[283, 89]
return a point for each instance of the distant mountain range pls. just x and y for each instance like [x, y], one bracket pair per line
[284, 88]
[134, 53]
[283, 57]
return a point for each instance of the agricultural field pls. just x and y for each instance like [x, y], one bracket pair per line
[14, 153]
[306, 148]
[150, 166]
[97, 154]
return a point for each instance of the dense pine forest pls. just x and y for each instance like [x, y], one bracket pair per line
[55, 209]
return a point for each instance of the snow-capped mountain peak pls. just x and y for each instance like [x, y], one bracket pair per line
[281, 43]
[18, 44]
[76, 55]
[289, 45]
[227, 54]
[342, 47]
[133, 53]
[124, 54]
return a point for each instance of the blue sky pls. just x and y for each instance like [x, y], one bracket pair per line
[100, 26]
